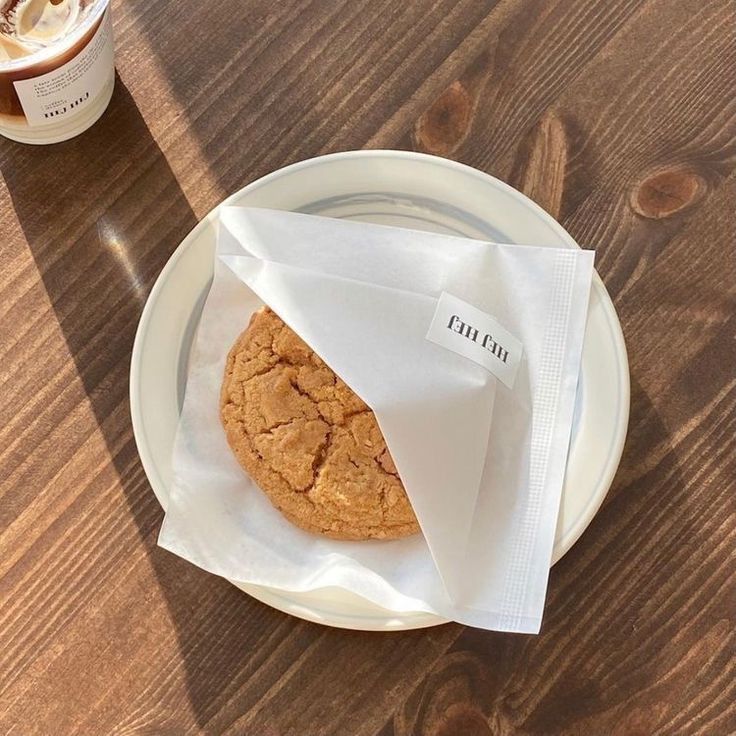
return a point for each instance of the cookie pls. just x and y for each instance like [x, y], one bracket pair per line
[307, 440]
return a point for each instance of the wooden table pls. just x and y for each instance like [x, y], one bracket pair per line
[618, 117]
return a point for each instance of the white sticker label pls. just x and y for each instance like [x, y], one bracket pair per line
[470, 332]
[65, 91]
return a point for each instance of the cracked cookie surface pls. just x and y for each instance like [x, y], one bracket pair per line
[307, 440]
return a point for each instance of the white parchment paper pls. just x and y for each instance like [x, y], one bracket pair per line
[483, 464]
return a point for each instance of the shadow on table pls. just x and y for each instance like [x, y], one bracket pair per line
[101, 221]
[241, 79]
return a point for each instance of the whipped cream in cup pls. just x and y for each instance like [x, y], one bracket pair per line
[56, 67]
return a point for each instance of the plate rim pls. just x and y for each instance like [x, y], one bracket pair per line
[266, 595]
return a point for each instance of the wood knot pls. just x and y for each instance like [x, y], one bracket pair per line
[461, 719]
[442, 127]
[667, 192]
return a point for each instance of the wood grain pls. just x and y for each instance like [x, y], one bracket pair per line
[619, 118]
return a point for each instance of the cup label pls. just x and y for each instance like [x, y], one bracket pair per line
[474, 334]
[63, 92]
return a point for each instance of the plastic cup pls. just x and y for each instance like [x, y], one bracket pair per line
[59, 91]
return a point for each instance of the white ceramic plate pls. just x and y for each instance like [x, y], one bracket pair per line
[393, 188]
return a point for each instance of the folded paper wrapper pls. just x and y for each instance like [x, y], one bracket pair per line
[482, 464]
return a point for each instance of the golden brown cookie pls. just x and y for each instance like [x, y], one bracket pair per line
[307, 440]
